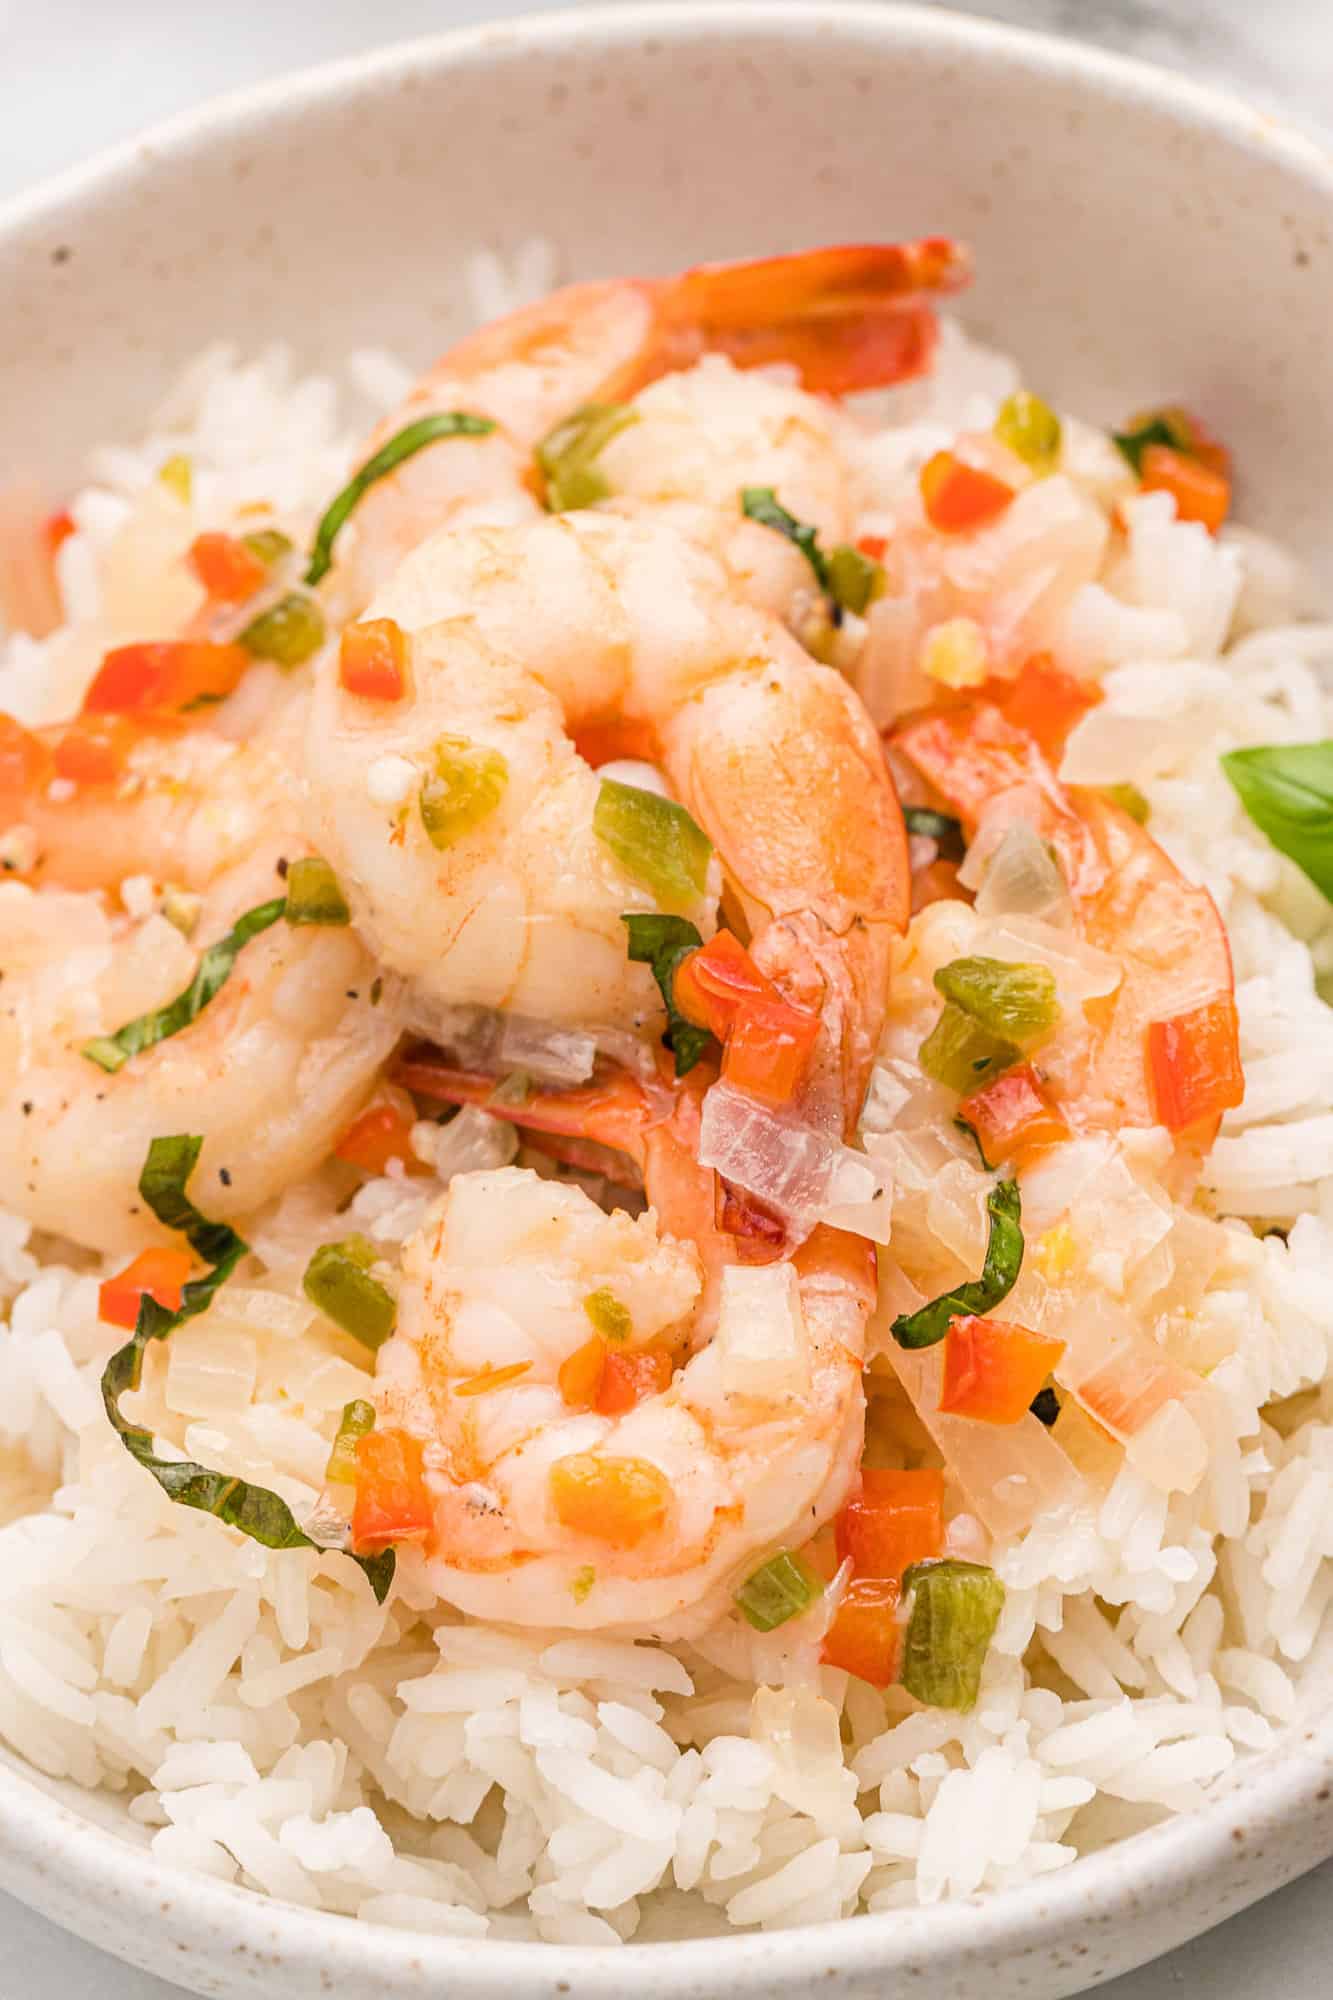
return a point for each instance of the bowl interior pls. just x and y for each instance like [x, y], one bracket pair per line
[1133, 241]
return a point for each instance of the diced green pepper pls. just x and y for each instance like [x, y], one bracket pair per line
[1031, 429]
[854, 580]
[337, 1280]
[654, 840]
[568, 455]
[288, 632]
[177, 475]
[1131, 800]
[358, 1419]
[779, 1589]
[1013, 1000]
[609, 1317]
[961, 1054]
[313, 895]
[269, 544]
[466, 785]
[584, 1579]
[956, 1607]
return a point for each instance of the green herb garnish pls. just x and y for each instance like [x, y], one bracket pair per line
[313, 895]
[1016, 1001]
[942, 828]
[654, 840]
[956, 1607]
[1154, 428]
[261, 1515]
[779, 1589]
[404, 444]
[662, 942]
[269, 544]
[999, 1275]
[848, 579]
[1045, 1406]
[112, 1052]
[287, 633]
[568, 455]
[337, 1280]
[1287, 790]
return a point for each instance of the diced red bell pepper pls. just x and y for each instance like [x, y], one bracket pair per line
[601, 743]
[620, 1501]
[393, 1502]
[713, 982]
[161, 1272]
[57, 529]
[873, 546]
[629, 1377]
[95, 749]
[580, 1374]
[229, 571]
[1012, 1116]
[382, 1133]
[25, 763]
[993, 1369]
[170, 673]
[1201, 492]
[864, 1636]
[372, 659]
[1194, 1064]
[958, 496]
[895, 1520]
[1046, 702]
[769, 1049]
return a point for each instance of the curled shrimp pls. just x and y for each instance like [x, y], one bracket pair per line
[1129, 901]
[522, 643]
[646, 1498]
[270, 1071]
[847, 317]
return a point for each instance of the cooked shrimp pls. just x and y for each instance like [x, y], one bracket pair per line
[525, 638]
[271, 1070]
[845, 318]
[1129, 901]
[647, 1515]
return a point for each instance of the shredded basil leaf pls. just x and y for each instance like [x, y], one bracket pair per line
[760, 503]
[962, 1125]
[1287, 790]
[942, 828]
[404, 444]
[850, 580]
[258, 1513]
[999, 1275]
[112, 1052]
[662, 942]
[1045, 1406]
[1132, 444]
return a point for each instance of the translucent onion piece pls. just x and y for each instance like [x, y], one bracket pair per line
[210, 1371]
[1081, 971]
[801, 1172]
[483, 1038]
[471, 1142]
[761, 1339]
[1023, 879]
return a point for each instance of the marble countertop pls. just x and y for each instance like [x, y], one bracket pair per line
[112, 67]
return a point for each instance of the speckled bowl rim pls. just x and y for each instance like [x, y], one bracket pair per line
[67, 1864]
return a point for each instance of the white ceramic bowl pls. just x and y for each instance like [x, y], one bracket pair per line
[1134, 236]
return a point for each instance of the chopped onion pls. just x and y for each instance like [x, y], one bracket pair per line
[1023, 879]
[760, 1337]
[798, 1171]
[888, 1093]
[471, 1142]
[210, 1371]
[486, 1040]
[860, 1197]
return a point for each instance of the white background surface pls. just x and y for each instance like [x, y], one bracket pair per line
[78, 74]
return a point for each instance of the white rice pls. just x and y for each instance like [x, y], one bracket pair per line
[269, 1724]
